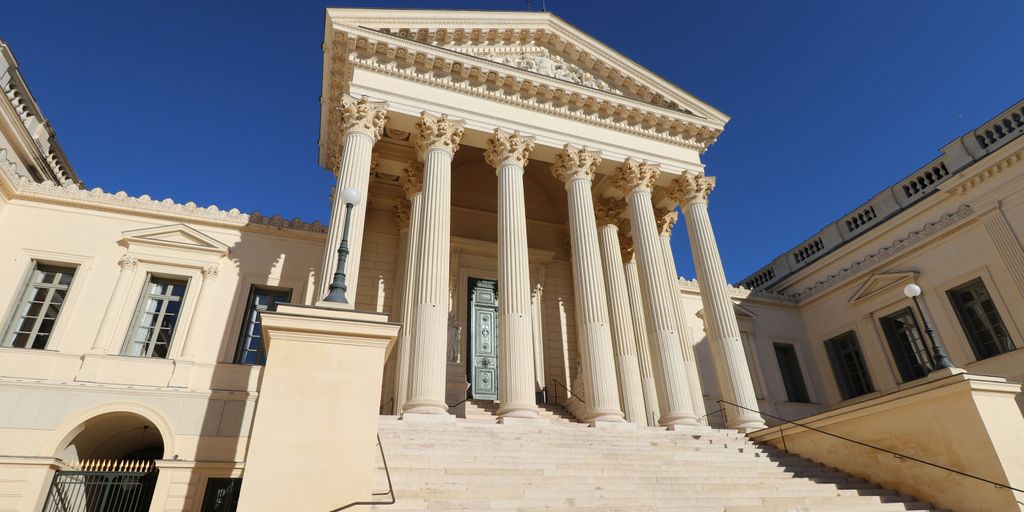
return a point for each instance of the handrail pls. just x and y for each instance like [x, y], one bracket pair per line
[464, 400]
[391, 489]
[873, 447]
[708, 415]
[390, 402]
[569, 390]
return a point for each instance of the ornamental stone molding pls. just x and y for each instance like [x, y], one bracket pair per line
[575, 163]
[438, 132]
[6, 165]
[413, 183]
[508, 147]
[363, 116]
[636, 174]
[403, 208]
[541, 63]
[739, 292]
[210, 272]
[666, 220]
[128, 263]
[872, 260]
[691, 188]
[609, 210]
[276, 221]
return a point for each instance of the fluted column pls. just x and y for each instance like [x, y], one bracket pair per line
[666, 220]
[508, 154]
[576, 167]
[362, 124]
[636, 179]
[128, 264]
[630, 388]
[643, 348]
[437, 140]
[200, 313]
[403, 346]
[719, 316]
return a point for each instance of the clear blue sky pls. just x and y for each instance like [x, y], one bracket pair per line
[217, 101]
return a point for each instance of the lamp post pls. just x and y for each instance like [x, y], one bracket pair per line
[351, 197]
[941, 359]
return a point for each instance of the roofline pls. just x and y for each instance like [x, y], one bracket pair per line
[957, 155]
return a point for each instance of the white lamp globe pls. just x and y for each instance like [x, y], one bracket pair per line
[912, 290]
[351, 196]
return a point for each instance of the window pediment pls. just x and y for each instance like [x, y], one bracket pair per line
[178, 236]
[879, 283]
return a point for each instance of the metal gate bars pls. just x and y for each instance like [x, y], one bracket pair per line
[102, 486]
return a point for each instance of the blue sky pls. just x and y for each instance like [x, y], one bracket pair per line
[217, 101]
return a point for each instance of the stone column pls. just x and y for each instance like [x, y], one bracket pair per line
[508, 154]
[643, 348]
[691, 190]
[576, 167]
[414, 192]
[128, 264]
[437, 140]
[636, 179]
[666, 220]
[199, 316]
[630, 388]
[362, 124]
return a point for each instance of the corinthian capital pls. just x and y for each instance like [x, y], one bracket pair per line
[438, 132]
[413, 179]
[636, 174]
[128, 263]
[508, 147]
[666, 220]
[210, 273]
[691, 188]
[364, 116]
[575, 163]
[608, 210]
[402, 210]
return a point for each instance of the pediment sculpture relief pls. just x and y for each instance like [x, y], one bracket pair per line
[553, 67]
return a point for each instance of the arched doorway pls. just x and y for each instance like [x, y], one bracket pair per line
[108, 466]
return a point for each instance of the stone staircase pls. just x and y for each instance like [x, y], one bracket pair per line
[475, 464]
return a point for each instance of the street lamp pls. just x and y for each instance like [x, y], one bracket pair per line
[350, 197]
[941, 359]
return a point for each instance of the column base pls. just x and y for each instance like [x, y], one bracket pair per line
[519, 411]
[427, 417]
[746, 425]
[612, 425]
[613, 416]
[673, 420]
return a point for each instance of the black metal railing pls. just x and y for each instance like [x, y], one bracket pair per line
[567, 390]
[896, 454]
[390, 492]
[107, 485]
[464, 400]
[708, 419]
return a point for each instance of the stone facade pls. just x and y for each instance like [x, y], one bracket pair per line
[517, 151]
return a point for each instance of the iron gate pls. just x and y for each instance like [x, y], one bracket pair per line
[103, 486]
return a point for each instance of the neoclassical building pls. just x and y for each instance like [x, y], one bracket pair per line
[508, 261]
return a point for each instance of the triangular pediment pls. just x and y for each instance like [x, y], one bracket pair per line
[880, 283]
[538, 43]
[178, 236]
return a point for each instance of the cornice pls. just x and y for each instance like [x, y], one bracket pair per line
[739, 292]
[20, 187]
[392, 55]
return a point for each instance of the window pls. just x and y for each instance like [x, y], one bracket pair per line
[155, 318]
[250, 344]
[792, 377]
[980, 319]
[222, 494]
[908, 347]
[38, 308]
[848, 365]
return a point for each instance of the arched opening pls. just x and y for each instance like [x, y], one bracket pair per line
[108, 465]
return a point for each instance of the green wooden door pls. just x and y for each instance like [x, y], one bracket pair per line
[483, 339]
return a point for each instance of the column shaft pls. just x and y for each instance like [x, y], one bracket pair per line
[195, 326]
[403, 346]
[643, 349]
[696, 392]
[576, 167]
[437, 142]
[128, 265]
[719, 315]
[630, 387]
[514, 310]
